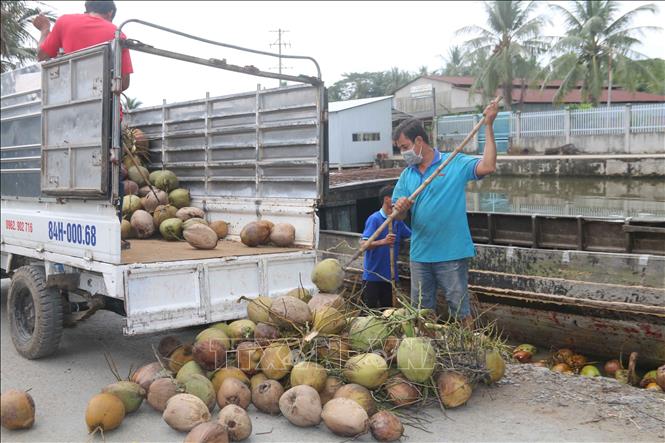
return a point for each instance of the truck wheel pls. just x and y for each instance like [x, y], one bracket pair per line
[35, 313]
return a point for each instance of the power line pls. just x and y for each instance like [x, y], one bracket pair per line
[279, 43]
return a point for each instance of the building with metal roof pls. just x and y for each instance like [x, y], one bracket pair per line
[359, 130]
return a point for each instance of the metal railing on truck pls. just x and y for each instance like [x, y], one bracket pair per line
[214, 63]
[22, 155]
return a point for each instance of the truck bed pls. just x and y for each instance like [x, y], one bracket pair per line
[154, 250]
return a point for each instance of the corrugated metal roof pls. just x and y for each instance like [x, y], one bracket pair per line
[347, 104]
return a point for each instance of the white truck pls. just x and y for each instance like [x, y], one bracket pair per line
[246, 156]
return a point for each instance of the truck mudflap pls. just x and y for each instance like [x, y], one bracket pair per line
[164, 296]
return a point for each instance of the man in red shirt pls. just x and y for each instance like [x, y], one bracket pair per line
[73, 32]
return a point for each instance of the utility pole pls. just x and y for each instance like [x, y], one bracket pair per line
[279, 45]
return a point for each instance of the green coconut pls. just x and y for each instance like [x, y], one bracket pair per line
[368, 333]
[258, 309]
[126, 230]
[328, 275]
[276, 361]
[130, 203]
[189, 368]
[163, 212]
[328, 320]
[309, 373]
[416, 358]
[241, 330]
[131, 394]
[171, 229]
[136, 175]
[165, 180]
[179, 198]
[590, 371]
[531, 349]
[301, 293]
[368, 370]
[200, 386]
[154, 175]
[214, 333]
[495, 365]
[223, 326]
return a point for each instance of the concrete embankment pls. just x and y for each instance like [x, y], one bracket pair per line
[625, 166]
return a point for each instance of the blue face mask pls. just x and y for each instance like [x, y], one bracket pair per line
[411, 158]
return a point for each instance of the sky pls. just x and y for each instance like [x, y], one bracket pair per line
[342, 36]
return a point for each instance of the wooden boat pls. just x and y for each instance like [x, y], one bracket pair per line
[596, 286]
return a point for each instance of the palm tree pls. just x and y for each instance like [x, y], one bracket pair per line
[512, 35]
[596, 44]
[17, 46]
[455, 65]
[529, 72]
[130, 103]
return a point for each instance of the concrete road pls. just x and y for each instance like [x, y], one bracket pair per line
[62, 385]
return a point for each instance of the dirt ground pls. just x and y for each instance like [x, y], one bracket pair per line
[529, 404]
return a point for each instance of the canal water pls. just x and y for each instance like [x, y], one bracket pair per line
[590, 197]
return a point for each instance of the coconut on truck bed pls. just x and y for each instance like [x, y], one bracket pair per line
[155, 250]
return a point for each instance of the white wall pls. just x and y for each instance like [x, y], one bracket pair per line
[449, 99]
[372, 117]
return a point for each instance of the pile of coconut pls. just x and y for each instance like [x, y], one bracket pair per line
[153, 204]
[310, 357]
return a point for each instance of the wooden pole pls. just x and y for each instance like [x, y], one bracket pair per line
[138, 168]
[420, 188]
[392, 269]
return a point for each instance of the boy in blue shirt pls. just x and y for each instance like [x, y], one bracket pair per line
[377, 289]
[441, 244]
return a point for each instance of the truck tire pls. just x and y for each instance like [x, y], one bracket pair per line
[35, 313]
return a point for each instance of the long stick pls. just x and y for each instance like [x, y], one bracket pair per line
[392, 268]
[415, 194]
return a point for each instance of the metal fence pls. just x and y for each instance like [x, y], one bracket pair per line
[564, 123]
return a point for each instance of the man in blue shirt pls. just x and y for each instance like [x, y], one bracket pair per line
[377, 289]
[441, 244]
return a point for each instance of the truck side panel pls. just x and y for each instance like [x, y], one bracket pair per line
[20, 132]
[177, 294]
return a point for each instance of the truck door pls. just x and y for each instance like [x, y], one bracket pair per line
[76, 124]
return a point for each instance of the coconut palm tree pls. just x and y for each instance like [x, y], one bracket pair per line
[598, 44]
[17, 46]
[130, 103]
[455, 65]
[512, 35]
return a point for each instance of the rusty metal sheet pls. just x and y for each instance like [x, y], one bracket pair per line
[570, 288]
[587, 334]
